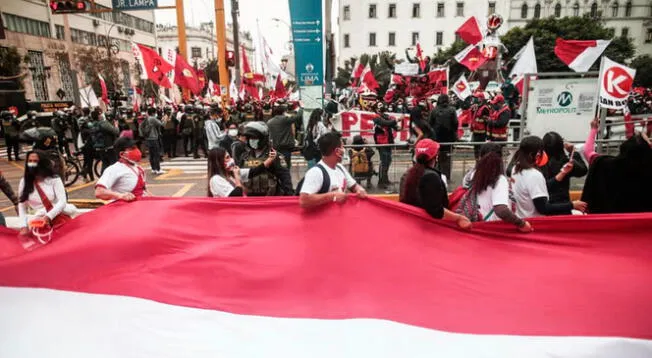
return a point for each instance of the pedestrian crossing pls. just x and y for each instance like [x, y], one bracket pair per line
[23, 149]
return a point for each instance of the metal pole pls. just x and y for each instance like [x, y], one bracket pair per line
[181, 31]
[236, 38]
[220, 28]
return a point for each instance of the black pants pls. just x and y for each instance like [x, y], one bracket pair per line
[108, 158]
[12, 144]
[89, 157]
[188, 144]
[287, 154]
[154, 154]
[170, 142]
[444, 162]
[199, 142]
[385, 154]
[478, 137]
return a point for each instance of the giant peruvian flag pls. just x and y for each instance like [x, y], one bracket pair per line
[152, 66]
[580, 55]
[192, 278]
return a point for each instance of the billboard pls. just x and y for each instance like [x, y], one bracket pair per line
[308, 38]
[563, 105]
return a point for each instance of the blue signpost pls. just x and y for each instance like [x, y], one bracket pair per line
[308, 37]
[134, 4]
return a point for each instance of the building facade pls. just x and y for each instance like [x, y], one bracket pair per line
[372, 26]
[49, 50]
[631, 18]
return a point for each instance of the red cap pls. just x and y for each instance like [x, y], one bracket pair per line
[499, 98]
[427, 147]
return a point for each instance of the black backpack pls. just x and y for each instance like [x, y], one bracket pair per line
[97, 136]
[326, 182]
[310, 151]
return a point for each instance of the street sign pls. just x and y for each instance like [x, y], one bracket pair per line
[308, 37]
[134, 4]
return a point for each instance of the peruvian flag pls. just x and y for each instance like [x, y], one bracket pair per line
[471, 58]
[279, 89]
[105, 92]
[303, 287]
[185, 76]
[152, 66]
[422, 61]
[580, 55]
[526, 62]
[470, 31]
[368, 81]
[461, 88]
[213, 89]
[357, 72]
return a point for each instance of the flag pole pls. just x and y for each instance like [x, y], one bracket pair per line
[183, 43]
[600, 112]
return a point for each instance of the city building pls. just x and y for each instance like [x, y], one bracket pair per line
[392, 25]
[201, 42]
[42, 38]
[632, 18]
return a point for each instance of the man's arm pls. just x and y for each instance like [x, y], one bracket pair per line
[314, 200]
[503, 120]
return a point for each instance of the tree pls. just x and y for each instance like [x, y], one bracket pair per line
[643, 66]
[444, 56]
[381, 65]
[546, 31]
[96, 60]
[11, 64]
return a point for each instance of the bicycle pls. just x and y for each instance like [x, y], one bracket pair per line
[74, 168]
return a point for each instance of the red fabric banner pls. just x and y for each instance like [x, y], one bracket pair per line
[574, 276]
[186, 76]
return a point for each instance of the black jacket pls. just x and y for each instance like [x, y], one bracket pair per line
[383, 122]
[558, 192]
[443, 120]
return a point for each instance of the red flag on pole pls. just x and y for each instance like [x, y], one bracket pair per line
[279, 89]
[470, 31]
[152, 66]
[471, 57]
[185, 76]
[422, 61]
[368, 81]
[105, 92]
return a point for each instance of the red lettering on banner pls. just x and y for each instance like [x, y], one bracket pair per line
[354, 123]
[349, 119]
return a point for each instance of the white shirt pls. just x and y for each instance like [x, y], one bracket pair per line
[492, 196]
[339, 177]
[213, 134]
[222, 188]
[119, 178]
[53, 189]
[528, 185]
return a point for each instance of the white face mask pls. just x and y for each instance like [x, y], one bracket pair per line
[32, 164]
[233, 132]
[230, 163]
[253, 143]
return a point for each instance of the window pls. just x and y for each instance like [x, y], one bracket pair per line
[558, 10]
[594, 10]
[628, 9]
[347, 42]
[537, 11]
[372, 39]
[614, 9]
[39, 77]
[459, 10]
[372, 11]
[416, 10]
[415, 38]
[439, 38]
[440, 9]
[195, 52]
[60, 33]
[576, 9]
[27, 26]
[391, 41]
[524, 9]
[648, 36]
[624, 32]
[458, 38]
[346, 13]
[391, 13]
[492, 8]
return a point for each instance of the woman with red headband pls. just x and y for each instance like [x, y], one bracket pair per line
[424, 187]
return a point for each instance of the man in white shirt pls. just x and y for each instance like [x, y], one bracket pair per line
[328, 180]
[124, 180]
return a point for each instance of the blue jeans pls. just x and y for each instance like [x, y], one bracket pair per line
[154, 154]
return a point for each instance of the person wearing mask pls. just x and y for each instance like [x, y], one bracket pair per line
[558, 177]
[214, 133]
[124, 180]
[230, 137]
[314, 130]
[619, 184]
[487, 187]
[170, 125]
[226, 178]
[150, 129]
[384, 127]
[11, 129]
[282, 131]
[443, 120]
[424, 187]
[498, 123]
[86, 126]
[199, 133]
[187, 127]
[328, 181]
[103, 135]
[276, 180]
[529, 187]
[43, 193]
[480, 112]
[239, 146]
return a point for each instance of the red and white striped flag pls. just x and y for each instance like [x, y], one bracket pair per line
[105, 92]
[580, 55]
[174, 286]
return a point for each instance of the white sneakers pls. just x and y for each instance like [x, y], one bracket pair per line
[158, 172]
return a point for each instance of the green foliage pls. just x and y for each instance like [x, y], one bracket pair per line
[643, 66]
[95, 60]
[381, 65]
[10, 63]
[546, 31]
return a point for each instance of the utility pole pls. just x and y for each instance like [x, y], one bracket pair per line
[183, 44]
[220, 27]
[236, 38]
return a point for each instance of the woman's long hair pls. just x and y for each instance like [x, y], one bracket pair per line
[525, 156]
[43, 170]
[216, 165]
[489, 168]
[315, 117]
[410, 190]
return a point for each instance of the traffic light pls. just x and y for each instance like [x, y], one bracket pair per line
[67, 6]
[230, 58]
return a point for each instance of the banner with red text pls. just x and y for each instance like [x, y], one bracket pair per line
[352, 123]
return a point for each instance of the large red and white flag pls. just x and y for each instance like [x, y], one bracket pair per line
[461, 88]
[171, 285]
[615, 83]
[152, 66]
[105, 92]
[470, 31]
[356, 73]
[368, 81]
[185, 76]
[471, 58]
[526, 63]
[580, 55]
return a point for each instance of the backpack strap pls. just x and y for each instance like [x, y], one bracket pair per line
[326, 180]
[491, 212]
